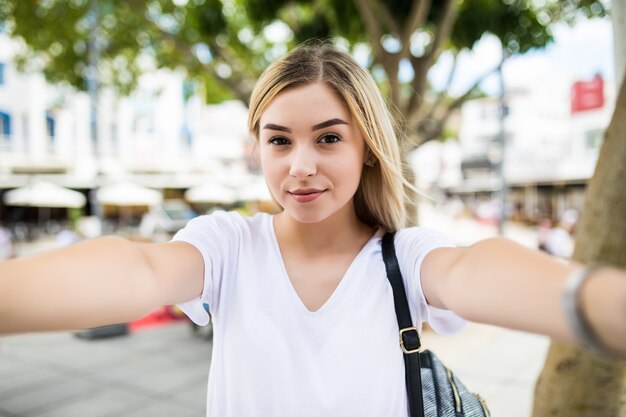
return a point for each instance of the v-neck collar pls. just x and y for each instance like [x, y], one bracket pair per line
[342, 283]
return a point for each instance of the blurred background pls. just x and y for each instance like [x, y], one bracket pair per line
[129, 118]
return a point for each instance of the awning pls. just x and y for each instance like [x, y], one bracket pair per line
[255, 191]
[44, 194]
[211, 192]
[128, 194]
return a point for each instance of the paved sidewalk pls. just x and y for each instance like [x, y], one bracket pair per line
[155, 372]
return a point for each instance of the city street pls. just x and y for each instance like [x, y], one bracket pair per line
[163, 371]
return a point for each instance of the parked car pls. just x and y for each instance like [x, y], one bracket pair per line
[170, 216]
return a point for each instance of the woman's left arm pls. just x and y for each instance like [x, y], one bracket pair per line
[497, 281]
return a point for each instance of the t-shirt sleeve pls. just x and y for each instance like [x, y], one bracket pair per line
[412, 246]
[216, 237]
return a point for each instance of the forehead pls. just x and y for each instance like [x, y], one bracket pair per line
[310, 103]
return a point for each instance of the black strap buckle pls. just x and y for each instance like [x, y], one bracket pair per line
[409, 340]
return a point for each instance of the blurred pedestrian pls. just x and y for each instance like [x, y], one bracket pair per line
[543, 229]
[559, 240]
[6, 243]
[453, 206]
[66, 237]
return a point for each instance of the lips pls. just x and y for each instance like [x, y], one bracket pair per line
[306, 195]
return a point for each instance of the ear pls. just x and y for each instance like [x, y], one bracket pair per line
[370, 158]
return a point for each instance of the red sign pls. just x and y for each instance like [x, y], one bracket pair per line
[588, 95]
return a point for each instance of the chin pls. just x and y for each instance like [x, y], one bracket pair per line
[306, 216]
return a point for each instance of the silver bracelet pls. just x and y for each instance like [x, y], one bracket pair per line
[574, 313]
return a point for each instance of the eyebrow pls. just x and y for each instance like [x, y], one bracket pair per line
[327, 123]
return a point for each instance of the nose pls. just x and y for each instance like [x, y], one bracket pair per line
[303, 163]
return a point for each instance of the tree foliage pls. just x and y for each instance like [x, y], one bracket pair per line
[225, 44]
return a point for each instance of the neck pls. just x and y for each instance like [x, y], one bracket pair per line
[330, 235]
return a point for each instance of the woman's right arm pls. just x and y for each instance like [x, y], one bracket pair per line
[101, 281]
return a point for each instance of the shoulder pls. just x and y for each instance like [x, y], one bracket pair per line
[217, 217]
[221, 219]
[414, 243]
[223, 225]
[421, 237]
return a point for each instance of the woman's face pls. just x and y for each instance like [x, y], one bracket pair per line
[312, 153]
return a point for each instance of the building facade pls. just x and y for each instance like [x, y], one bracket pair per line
[552, 134]
[160, 136]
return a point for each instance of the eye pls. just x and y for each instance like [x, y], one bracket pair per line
[329, 138]
[278, 140]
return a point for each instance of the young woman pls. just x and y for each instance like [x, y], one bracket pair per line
[303, 314]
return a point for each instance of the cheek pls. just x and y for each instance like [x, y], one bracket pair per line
[271, 170]
[265, 160]
[346, 174]
[350, 165]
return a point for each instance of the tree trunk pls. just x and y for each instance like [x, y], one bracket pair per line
[575, 382]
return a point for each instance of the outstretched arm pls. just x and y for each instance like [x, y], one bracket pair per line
[499, 282]
[96, 282]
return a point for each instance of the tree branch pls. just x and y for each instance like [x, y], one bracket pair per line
[387, 18]
[443, 93]
[422, 65]
[444, 28]
[237, 84]
[371, 26]
[367, 10]
[418, 85]
[417, 17]
[426, 133]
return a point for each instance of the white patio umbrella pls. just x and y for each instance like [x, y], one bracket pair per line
[235, 180]
[211, 192]
[128, 194]
[44, 194]
[255, 191]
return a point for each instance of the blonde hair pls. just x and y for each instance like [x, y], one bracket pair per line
[381, 195]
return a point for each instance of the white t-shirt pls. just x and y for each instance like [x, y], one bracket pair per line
[274, 357]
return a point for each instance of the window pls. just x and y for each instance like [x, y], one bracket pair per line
[593, 139]
[5, 131]
[5, 125]
[490, 111]
[50, 127]
[50, 132]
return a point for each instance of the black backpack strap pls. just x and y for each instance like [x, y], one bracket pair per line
[409, 337]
